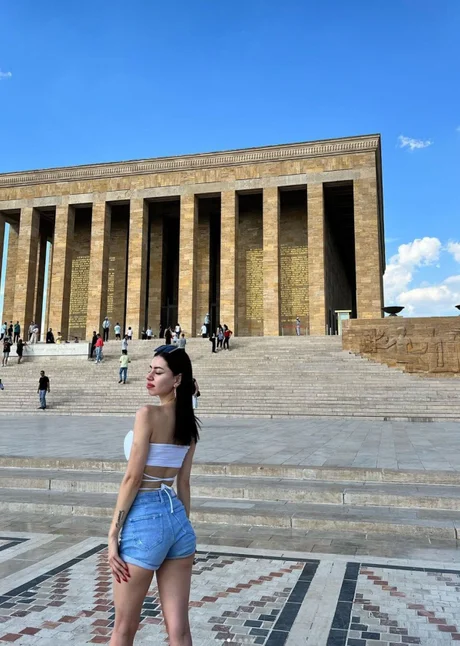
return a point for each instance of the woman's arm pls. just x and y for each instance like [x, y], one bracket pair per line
[128, 489]
[183, 479]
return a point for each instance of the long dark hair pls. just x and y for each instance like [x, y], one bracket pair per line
[187, 426]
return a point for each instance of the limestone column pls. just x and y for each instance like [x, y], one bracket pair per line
[10, 278]
[98, 267]
[40, 279]
[187, 263]
[60, 271]
[271, 261]
[155, 273]
[26, 267]
[229, 260]
[137, 265]
[369, 288]
[316, 262]
[2, 239]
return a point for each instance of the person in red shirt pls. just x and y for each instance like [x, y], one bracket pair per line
[99, 346]
[227, 334]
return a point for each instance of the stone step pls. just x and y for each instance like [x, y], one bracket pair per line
[410, 522]
[347, 493]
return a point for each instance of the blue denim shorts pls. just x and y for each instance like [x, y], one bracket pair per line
[156, 529]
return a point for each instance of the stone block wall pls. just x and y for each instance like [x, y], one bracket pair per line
[429, 346]
[80, 274]
[250, 274]
[116, 288]
[10, 278]
[202, 270]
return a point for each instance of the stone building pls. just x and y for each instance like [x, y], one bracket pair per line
[255, 237]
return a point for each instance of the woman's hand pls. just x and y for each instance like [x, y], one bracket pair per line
[119, 568]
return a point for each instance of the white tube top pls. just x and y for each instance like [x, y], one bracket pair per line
[160, 455]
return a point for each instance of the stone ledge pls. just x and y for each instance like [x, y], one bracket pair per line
[32, 351]
[282, 152]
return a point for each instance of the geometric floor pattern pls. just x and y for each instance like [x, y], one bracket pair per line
[394, 605]
[234, 599]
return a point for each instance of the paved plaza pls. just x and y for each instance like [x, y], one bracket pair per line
[315, 441]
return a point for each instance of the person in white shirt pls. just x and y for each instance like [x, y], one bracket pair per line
[4, 329]
[105, 329]
[182, 341]
[204, 331]
[124, 343]
[117, 330]
[149, 333]
[130, 334]
[35, 332]
[178, 330]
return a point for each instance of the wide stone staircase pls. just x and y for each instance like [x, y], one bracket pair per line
[258, 377]
[296, 499]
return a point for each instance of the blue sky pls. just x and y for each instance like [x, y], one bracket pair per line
[106, 81]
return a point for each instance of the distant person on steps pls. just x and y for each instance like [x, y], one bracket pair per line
[43, 388]
[99, 346]
[124, 361]
[106, 328]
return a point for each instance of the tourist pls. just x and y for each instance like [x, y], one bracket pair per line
[207, 324]
[166, 435]
[20, 349]
[117, 330]
[50, 336]
[59, 338]
[168, 336]
[35, 332]
[105, 328]
[10, 329]
[31, 330]
[227, 334]
[4, 330]
[124, 360]
[220, 337]
[130, 334]
[93, 343]
[2, 387]
[161, 331]
[124, 343]
[43, 388]
[204, 331]
[195, 395]
[143, 335]
[99, 346]
[213, 340]
[297, 326]
[178, 330]
[149, 333]
[6, 350]
[182, 341]
[17, 332]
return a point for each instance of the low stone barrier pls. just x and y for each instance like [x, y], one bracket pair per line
[421, 345]
[76, 350]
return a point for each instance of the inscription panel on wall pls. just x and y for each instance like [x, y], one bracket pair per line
[254, 284]
[79, 293]
[294, 283]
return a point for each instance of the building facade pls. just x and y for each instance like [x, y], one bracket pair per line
[254, 237]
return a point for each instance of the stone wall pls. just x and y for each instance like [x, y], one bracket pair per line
[422, 345]
[80, 274]
[202, 270]
[294, 263]
[250, 274]
[10, 278]
[116, 288]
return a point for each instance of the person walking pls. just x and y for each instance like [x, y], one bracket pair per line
[17, 332]
[6, 350]
[156, 533]
[207, 324]
[149, 333]
[11, 329]
[99, 346]
[4, 330]
[178, 330]
[195, 395]
[227, 334]
[105, 328]
[182, 341]
[130, 333]
[297, 326]
[35, 331]
[93, 344]
[124, 360]
[50, 336]
[220, 337]
[31, 330]
[168, 336]
[43, 388]
[124, 343]
[213, 340]
[20, 349]
[117, 330]
[204, 331]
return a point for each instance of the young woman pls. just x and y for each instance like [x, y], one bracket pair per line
[156, 534]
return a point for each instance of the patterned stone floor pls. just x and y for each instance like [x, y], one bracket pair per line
[239, 596]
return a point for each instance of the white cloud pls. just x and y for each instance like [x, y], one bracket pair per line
[401, 266]
[454, 249]
[413, 144]
[435, 300]
[5, 75]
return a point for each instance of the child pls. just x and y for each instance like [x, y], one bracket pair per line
[130, 334]
[124, 360]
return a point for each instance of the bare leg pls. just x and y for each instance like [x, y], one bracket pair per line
[174, 578]
[129, 598]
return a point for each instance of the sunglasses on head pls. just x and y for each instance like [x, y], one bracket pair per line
[166, 349]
